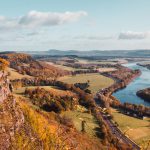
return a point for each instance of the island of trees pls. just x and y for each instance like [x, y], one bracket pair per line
[144, 94]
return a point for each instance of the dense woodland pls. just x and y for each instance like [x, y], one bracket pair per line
[144, 94]
[25, 64]
[51, 101]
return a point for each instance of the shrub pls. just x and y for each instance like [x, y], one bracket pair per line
[66, 121]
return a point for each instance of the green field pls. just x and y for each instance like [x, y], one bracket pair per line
[77, 117]
[97, 81]
[137, 129]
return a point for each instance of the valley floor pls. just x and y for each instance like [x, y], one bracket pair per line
[136, 129]
[96, 81]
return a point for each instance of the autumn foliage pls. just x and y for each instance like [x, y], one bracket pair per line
[25, 64]
[51, 101]
[3, 64]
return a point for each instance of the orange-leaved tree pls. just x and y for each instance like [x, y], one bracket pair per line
[3, 64]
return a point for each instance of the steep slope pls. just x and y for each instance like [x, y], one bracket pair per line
[11, 119]
[4, 86]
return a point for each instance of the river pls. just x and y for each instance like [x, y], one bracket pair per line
[128, 94]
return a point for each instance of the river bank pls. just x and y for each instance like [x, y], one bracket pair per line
[128, 94]
[125, 76]
[122, 77]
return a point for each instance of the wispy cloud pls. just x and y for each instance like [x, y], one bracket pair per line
[37, 19]
[129, 35]
[93, 37]
[32, 33]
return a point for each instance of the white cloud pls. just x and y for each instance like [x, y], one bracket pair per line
[37, 19]
[133, 35]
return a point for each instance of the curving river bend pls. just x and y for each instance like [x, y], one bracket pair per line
[128, 94]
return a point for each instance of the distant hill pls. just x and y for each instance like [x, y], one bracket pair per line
[106, 53]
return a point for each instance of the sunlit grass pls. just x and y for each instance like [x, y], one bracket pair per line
[78, 116]
[137, 129]
[97, 81]
[15, 75]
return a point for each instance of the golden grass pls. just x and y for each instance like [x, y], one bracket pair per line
[46, 131]
[51, 89]
[97, 81]
[15, 75]
[137, 129]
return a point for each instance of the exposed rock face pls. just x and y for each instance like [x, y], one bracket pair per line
[4, 86]
[144, 94]
[11, 116]
[11, 119]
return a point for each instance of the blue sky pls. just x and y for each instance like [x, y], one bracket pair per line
[74, 24]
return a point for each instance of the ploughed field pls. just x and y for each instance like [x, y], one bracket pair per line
[96, 81]
[138, 130]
